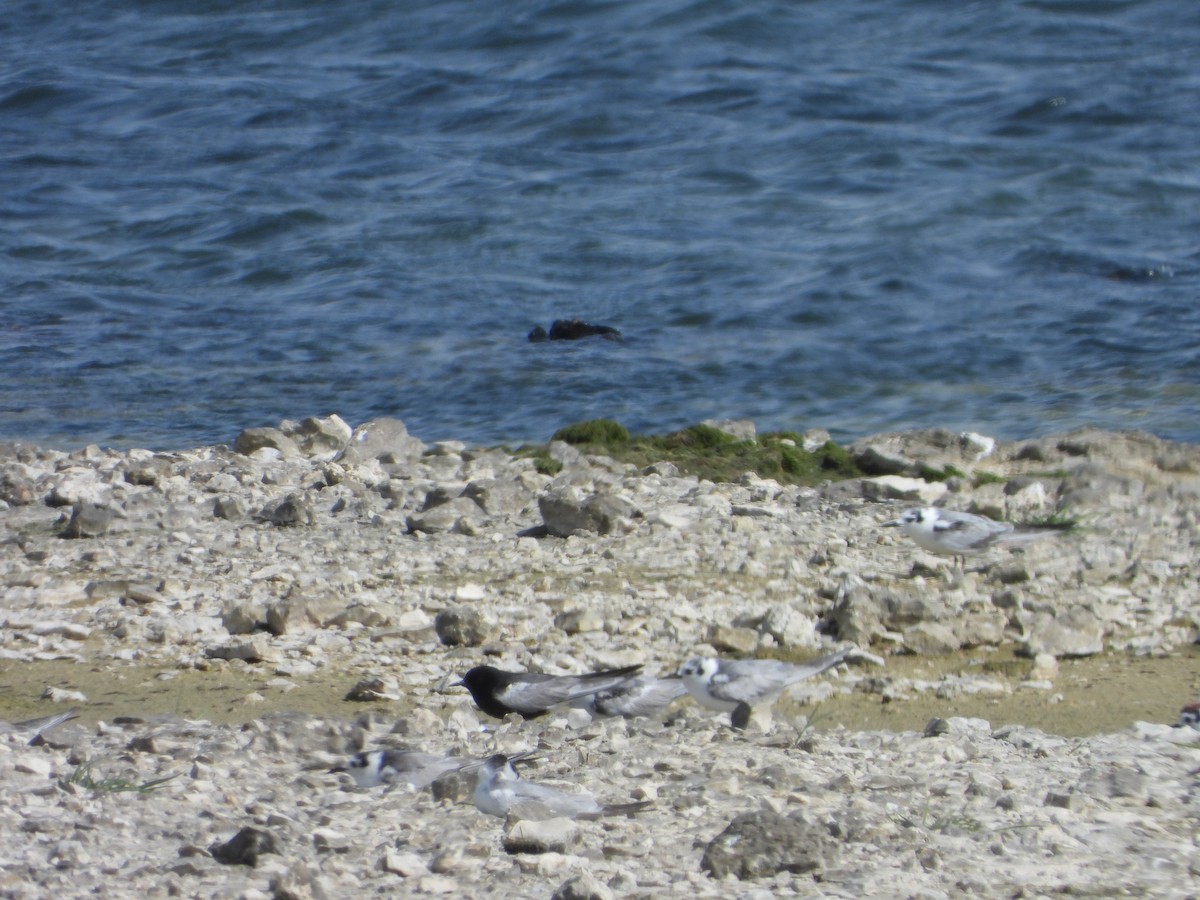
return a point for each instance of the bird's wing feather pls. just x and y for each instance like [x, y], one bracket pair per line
[559, 802]
[643, 699]
[534, 696]
[743, 684]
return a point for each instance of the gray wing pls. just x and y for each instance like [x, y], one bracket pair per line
[34, 727]
[968, 530]
[420, 769]
[642, 696]
[748, 680]
[531, 799]
[534, 696]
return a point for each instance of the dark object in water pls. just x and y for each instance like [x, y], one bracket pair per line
[573, 330]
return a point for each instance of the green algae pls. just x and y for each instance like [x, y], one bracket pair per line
[705, 452]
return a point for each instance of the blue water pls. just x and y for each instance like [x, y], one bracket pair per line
[854, 214]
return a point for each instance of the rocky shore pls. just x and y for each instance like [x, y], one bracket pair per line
[209, 611]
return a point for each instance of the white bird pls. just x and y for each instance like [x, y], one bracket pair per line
[736, 685]
[499, 791]
[372, 768]
[948, 532]
[645, 695]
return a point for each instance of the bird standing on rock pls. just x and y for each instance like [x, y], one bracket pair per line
[736, 685]
[532, 694]
[948, 532]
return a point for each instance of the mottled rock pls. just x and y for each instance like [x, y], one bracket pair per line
[231, 509]
[762, 844]
[245, 847]
[896, 487]
[930, 639]
[244, 617]
[88, 521]
[320, 439]
[789, 627]
[584, 886]
[406, 865]
[294, 509]
[541, 836]
[458, 515]
[384, 439]
[1075, 632]
[462, 626]
[499, 497]
[568, 511]
[738, 429]
[252, 440]
[579, 620]
[16, 488]
[257, 648]
[732, 639]
[302, 612]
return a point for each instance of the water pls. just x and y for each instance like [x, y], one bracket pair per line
[860, 215]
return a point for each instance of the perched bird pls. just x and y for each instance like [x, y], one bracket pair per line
[736, 685]
[947, 532]
[499, 790]
[531, 694]
[35, 727]
[372, 768]
[645, 695]
[1189, 716]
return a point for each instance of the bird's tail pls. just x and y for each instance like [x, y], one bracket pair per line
[622, 809]
[1024, 534]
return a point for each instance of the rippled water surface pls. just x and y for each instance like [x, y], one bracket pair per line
[861, 215]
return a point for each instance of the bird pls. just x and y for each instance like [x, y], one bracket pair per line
[531, 694]
[948, 532]
[736, 685]
[371, 768]
[35, 727]
[1189, 716]
[644, 695]
[500, 790]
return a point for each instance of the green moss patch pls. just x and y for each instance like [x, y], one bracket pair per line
[705, 452]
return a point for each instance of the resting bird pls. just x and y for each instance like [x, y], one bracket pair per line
[645, 695]
[499, 791]
[736, 685]
[947, 532]
[372, 768]
[532, 694]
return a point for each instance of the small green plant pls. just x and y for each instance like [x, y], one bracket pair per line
[82, 777]
[929, 473]
[810, 720]
[979, 479]
[603, 432]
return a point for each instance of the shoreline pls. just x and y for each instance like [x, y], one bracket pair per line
[312, 556]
